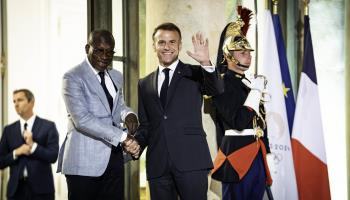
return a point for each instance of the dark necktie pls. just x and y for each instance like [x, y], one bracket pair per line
[108, 95]
[164, 89]
[25, 126]
[25, 172]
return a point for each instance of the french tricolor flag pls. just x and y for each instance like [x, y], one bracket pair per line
[308, 146]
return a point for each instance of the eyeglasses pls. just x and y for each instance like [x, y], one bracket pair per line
[101, 52]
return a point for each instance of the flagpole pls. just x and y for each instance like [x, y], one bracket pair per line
[238, 3]
[268, 188]
[347, 94]
[306, 7]
[267, 2]
[256, 37]
[306, 13]
[274, 7]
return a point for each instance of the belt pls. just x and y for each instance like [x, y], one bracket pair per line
[245, 132]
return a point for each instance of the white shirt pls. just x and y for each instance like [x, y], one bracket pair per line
[30, 123]
[108, 80]
[172, 67]
[111, 90]
[161, 75]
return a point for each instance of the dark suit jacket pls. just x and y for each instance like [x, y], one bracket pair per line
[38, 164]
[176, 131]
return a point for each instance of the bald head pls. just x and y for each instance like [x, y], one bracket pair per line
[101, 36]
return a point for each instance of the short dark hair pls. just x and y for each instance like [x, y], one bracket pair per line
[166, 26]
[100, 35]
[29, 95]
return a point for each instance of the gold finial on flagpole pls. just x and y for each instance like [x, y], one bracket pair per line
[266, 4]
[306, 7]
[275, 7]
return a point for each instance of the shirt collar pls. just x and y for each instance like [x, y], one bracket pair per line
[93, 69]
[235, 74]
[172, 67]
[30, 121]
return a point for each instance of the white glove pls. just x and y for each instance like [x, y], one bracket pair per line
[266, 96]
[255, 82]
[270, 158]
[253, 100]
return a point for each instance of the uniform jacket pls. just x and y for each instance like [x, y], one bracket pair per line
[232, 114]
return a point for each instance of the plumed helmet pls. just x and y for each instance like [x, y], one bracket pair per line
[233, 37]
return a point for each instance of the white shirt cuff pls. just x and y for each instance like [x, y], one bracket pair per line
[14, 155]
[126, 114]
[35, 145]
[123, 137]
[209, 69]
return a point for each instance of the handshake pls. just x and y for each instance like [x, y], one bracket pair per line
[130, 144]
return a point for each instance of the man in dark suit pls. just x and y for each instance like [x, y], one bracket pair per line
[170, 100]
[29, 146]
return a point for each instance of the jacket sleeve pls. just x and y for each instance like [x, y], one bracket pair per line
[233, 112]
[47, 151]
[99, 127]
[212, 83]
[143, 130]
[6, 155]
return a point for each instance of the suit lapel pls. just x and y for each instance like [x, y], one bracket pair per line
[91, 79]
[36, 125]
[17, 132]
[117, 88]
[154, 88]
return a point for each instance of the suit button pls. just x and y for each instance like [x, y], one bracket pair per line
[165, 117]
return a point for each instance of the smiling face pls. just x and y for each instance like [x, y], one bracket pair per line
[167, 45]
[99, 49]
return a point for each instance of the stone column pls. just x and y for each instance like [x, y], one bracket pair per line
[347, 93]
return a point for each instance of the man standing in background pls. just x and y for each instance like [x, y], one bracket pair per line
[29, 146]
